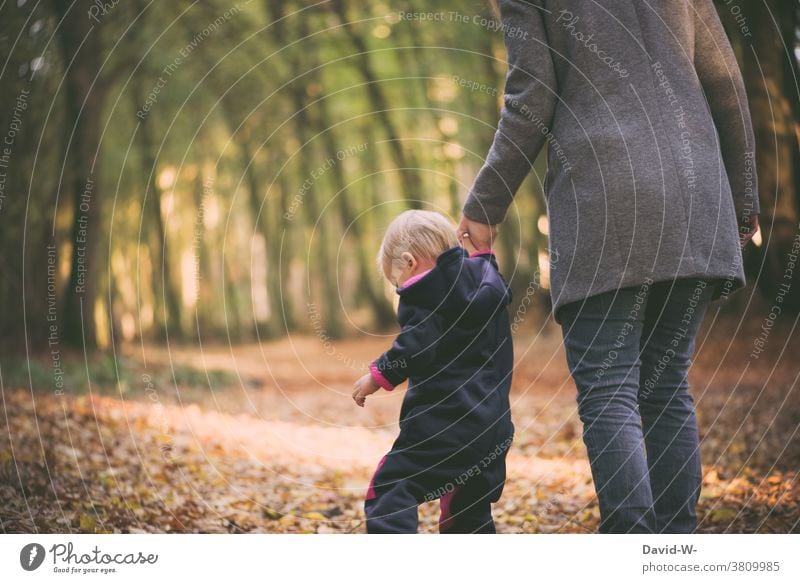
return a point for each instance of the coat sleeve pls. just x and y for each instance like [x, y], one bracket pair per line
[414, 349]
[724, 88]
[528, 103]
[491, 293]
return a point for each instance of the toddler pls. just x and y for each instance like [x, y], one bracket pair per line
[455, 349]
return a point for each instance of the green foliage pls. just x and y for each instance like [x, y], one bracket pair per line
[214, 122]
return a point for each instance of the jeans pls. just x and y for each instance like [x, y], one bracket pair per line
[629, 352]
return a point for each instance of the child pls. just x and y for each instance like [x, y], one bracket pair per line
[455, 349]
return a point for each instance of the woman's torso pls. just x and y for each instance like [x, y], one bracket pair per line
[636, 187]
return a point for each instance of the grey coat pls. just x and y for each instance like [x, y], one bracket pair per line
[650, 145]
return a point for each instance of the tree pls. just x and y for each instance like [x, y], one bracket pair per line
[771, 77]
[82, 42]
[404, 161]
[304, 129]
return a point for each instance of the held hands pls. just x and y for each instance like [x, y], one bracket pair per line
[364, 387]
[475, 236]
[466, 243]
[748, 228]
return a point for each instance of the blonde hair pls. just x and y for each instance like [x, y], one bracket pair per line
[424, 234]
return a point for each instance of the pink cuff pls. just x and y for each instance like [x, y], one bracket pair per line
[483, 252]
[379, 378]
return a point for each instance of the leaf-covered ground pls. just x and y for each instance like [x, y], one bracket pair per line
[270, 441]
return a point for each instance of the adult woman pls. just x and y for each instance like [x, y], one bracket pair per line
[650, 171]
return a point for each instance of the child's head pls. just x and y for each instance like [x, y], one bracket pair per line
[412, 243]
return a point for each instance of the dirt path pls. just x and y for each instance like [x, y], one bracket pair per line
[278, 446]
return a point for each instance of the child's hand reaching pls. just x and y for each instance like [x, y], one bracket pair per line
[365, 386]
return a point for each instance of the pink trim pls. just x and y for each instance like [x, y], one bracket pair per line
[371, 488]
[446, 518]
[483, 252]
[414, 279]
[379, 378]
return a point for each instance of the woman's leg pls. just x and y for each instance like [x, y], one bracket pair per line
[601, 338]
[673, 316]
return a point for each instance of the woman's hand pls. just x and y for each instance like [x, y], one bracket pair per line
[481, 235]
[364, 387]
[466, 243]
[747, 229]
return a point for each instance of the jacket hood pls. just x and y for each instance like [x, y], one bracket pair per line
[469, 290]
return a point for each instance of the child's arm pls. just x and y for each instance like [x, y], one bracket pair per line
[491, 290]
[412, 351]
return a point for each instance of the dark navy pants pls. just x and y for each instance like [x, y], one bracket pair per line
[401, 483]
[629, 352]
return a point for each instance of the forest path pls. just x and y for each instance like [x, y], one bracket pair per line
[270, 441]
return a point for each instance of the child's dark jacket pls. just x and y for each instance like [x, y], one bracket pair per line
[455, 349]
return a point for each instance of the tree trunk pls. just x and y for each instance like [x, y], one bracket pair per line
[79, 41]
[282, 253]
[232, 312]
[28, 183]
[426, 75]
[773, 112]
[260, 215]
[204, 307]
[384, 314]
[405, 162]
[303, 124]
[164, 291]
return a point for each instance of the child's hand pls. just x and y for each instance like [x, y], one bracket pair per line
[365, 386]
[467, 243]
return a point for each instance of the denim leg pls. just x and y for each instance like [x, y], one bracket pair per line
[601, 338]
[672, 318]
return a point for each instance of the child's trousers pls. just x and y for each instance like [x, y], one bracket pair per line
[392, 501]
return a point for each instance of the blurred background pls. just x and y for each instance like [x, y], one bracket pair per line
[191, 198]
